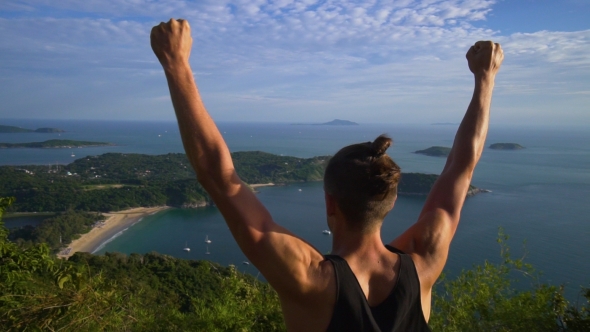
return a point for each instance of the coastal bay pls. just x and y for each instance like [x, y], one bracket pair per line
[115, 223]
[547, 211]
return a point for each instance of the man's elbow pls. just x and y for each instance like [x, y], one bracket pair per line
[465, 157]
[222, 182]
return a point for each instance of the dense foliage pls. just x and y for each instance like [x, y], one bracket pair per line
[56, 231]
[155, 292]
[262, 167]
[490, 297]
[114, 181]
[435, 151]
[118, 293]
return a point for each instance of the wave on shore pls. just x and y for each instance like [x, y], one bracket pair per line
[119, 233]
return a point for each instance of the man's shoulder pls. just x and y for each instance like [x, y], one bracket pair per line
[312, 308]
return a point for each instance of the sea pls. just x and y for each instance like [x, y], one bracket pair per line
[539, 196]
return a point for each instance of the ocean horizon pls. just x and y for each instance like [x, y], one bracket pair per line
[538, 194]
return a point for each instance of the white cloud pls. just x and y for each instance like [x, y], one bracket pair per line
[328, 54]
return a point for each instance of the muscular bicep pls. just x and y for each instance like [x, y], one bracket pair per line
[284, 259]
[430, 237]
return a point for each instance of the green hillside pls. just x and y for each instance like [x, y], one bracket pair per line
[155, 292]
[114, 181]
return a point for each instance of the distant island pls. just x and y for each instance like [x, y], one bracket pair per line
[421, 184]
[435, 151]
[506, 146]
[13, 129]
[53, 144]
[335, 122]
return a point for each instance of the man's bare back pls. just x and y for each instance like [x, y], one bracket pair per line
[304, 280]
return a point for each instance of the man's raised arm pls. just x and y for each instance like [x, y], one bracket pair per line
[282, 258]
[429, 239]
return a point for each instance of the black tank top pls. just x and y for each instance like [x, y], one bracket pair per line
[401, 311]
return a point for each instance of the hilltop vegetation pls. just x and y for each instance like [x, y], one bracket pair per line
[113, 181]
[154, 292]
[56, 231]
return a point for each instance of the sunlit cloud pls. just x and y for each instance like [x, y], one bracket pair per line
[324, 56]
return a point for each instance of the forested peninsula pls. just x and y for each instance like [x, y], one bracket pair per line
[54, 144]
[114, 181]
[13, 129]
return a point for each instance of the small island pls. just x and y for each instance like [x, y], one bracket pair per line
[13, 129]
[335, 122]
[506, 146]
[338, 122]
[421, 184]
[54, 144]
[435, 151]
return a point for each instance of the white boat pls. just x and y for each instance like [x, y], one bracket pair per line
[207, 239]
[246, 263]
[73, 155]
[186, 248]
[327, 232]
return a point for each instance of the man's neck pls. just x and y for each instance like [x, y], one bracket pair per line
[348, 243]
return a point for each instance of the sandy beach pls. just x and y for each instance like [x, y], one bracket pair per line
[258, 185]
[115, 222]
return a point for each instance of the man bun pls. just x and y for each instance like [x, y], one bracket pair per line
[380, 145]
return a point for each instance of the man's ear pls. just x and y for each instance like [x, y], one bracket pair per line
[330, 204]
[393, 202]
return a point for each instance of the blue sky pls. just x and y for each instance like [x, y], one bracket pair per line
[297, 60]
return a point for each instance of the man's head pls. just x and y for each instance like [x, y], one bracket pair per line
[363, 180]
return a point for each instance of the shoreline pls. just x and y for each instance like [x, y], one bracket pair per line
[258, 185]
[115, 223]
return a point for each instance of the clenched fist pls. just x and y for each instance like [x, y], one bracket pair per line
[172, 42]
[484, 58]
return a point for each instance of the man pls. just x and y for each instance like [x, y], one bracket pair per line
[364, 285]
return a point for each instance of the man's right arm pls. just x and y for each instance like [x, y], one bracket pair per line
[283, 258]
[429, 239]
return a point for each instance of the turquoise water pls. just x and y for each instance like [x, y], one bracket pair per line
[539, 194]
